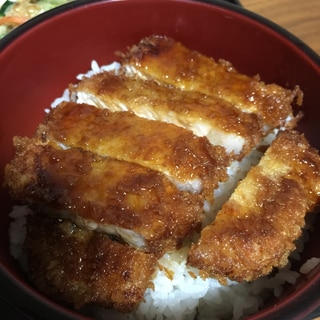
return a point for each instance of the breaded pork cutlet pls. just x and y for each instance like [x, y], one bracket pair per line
[191, 162]
[223, 124]
[78, 267]
[256, 228]
[167, 61]
[138, 204]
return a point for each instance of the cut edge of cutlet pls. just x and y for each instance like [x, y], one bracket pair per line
[82, 267]
[38, 175]
[210, 117]
[190, 162]
[165, 60]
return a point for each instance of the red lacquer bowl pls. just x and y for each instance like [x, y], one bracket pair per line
[40, 58]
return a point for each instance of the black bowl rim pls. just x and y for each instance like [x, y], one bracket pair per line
[309, 300]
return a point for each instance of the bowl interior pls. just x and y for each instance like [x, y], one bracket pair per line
[40, 59]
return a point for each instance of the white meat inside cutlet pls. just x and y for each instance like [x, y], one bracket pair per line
[256, 229]
[190, 162]
[139, 205]
[205, 115]
[167, 61]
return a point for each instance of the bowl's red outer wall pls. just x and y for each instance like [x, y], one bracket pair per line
[41, 61]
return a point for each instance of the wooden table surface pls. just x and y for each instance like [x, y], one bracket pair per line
[300, 17]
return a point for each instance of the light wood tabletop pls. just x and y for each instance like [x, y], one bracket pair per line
[300, 17]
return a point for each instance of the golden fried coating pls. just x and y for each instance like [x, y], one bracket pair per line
[78, 267]
[122, 175]
[256, 228]
[116, 197]
[205, 115]
[163, 59]
[191, 162]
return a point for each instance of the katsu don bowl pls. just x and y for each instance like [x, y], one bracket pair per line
[161, 270]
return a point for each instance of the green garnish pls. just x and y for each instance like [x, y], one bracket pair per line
[4, 7]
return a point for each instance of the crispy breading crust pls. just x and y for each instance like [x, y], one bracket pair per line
[168, 61]
[79, 267]
[97, 193]
[162, 80]
[205, 115]
[256, 228]
[169, 149]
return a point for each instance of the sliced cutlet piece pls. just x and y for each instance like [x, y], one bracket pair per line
[79, 267]
[223, 124]
[138, 204]
[190, 162]
[167, 61]
[256, 229]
